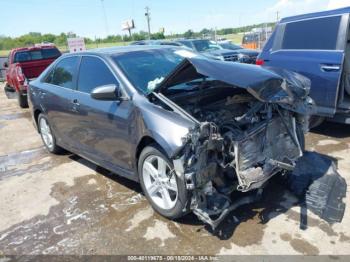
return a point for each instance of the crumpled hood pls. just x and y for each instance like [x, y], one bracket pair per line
[264, 83]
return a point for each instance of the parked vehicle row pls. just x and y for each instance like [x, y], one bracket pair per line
[191, 130]
[26, 64]
[223, 50]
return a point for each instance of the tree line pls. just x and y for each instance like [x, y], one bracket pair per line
[32, 38]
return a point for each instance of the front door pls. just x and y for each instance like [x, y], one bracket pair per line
[102, 128]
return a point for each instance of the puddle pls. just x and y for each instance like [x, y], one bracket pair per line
[29, 161]
[15, 116]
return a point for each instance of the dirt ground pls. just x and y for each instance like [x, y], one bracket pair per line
[66, 205]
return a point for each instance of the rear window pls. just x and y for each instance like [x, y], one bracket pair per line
[65, 73]
[47, 53]
[320, 34]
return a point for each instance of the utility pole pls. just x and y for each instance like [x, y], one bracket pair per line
[148, 17]
[105, 17]
[277, 16]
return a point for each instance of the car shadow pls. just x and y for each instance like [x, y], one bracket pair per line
[277, 199]
[332, 129]
[313, 194]
[130, 184]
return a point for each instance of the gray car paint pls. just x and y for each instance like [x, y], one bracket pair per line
[109, 133]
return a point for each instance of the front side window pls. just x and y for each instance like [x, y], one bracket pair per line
[93, 73]
[65, 72]
[318, 34]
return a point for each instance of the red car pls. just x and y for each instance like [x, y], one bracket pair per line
[25, 64]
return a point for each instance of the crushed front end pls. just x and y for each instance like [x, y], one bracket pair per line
[237, 154]
[249, 126]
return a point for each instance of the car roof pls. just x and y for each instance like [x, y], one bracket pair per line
[121, 49]
[35, 47]
[339, 11]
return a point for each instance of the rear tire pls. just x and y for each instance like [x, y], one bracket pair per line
[22, 99]
[8, 88]
[47, 135]
[153, 182]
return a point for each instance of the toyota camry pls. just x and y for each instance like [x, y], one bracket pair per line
[190, 130]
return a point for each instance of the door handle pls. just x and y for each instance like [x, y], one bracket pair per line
[330, 68]
[42, 94]
[76, 102]
[75, 106]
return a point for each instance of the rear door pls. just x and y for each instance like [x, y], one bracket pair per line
[57, 99]
[315, 49]
[102, 128]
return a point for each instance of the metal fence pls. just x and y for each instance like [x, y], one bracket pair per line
[2, 69]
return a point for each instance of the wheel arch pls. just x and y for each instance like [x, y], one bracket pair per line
[36, 114]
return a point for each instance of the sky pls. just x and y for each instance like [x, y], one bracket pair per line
[98, 18]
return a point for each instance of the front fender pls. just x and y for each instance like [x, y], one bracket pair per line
[166, 127]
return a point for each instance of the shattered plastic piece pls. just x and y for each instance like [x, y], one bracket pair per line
[316, 181]
[204, 215]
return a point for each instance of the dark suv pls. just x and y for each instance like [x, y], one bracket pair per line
[317, 46]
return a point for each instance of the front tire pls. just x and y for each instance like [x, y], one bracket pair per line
[22, 99]
[47, 135]
[165, 191]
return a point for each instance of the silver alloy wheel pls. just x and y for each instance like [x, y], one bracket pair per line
[161, 188]
[45, 132]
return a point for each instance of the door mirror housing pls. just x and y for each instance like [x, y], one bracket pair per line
[6, 64]
[107, 93]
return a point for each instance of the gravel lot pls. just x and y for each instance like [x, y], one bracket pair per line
[64, 204]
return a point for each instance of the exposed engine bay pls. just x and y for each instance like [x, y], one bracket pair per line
[244, 142]
[249, 125]
[238, 144]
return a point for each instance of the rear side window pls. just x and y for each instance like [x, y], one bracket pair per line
[93, 73]
[65, 72]
[319, 34]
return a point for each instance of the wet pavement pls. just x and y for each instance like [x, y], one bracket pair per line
[64, 204]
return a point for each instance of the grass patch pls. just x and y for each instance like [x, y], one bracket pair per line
[88, 46]
[235, 38]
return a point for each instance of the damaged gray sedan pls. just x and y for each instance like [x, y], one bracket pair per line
[192, 131]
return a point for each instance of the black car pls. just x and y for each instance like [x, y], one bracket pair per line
[248, 55]
[191, 130]
[213, 50]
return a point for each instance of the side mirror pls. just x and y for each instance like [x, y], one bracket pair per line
[6, 64]
[107, 93]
